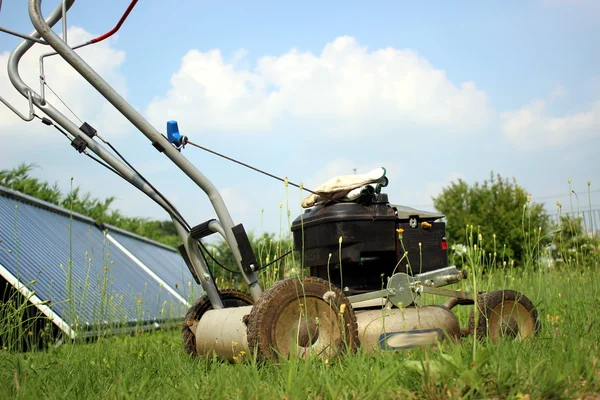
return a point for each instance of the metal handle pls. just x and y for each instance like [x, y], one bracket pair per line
[127, 173]
[35, 99]
[145, 128]
[13, 109]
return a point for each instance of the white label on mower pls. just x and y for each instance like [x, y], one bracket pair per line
[407, 339]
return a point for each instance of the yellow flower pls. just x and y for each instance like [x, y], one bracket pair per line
[521, 396]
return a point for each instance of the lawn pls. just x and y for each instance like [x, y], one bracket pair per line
[561, 362]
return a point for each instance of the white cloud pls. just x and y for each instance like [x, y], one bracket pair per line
[533, 127]
[236, 203]
[421, 195]
[346, 89]
[43, 145]
[433, 189]
[68, 84]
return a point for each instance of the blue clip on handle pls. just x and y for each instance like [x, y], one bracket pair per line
[173, 134]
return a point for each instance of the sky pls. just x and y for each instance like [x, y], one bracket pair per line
[433, 91]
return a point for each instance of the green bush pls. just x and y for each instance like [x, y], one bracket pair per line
[500, 211]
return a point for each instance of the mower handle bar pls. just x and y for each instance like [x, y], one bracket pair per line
[43, 30]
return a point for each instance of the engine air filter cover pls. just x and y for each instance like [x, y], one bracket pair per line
[363, 229]
[370, 248]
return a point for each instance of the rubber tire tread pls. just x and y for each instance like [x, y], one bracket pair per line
[230, 298]
[271, 303]
[489, 300]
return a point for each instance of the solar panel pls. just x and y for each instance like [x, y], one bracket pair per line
[164, 261]
[92, 278]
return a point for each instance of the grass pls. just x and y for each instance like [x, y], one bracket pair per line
[561, 362]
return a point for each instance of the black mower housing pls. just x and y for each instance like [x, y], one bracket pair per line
[371, 247]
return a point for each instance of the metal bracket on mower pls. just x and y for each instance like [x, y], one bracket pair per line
[403, 290]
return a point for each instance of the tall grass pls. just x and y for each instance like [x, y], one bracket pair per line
[562, 362]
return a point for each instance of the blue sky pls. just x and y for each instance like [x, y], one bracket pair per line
[432, 91]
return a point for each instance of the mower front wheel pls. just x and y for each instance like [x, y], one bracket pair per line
[504, 314]
[302, 317]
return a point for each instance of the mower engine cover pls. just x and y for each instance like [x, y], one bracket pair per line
[370, 244]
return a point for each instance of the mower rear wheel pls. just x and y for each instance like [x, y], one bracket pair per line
[230, 298]
[302, 316]
[504, 314]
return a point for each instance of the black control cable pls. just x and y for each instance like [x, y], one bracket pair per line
[284, 180]
[176, 213]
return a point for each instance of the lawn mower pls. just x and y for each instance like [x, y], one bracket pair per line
[367, 262]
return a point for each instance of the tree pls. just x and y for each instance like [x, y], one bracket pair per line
[19, 179]
[497, 207]
[86, 205]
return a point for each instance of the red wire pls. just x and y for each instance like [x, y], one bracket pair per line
[117, 27]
